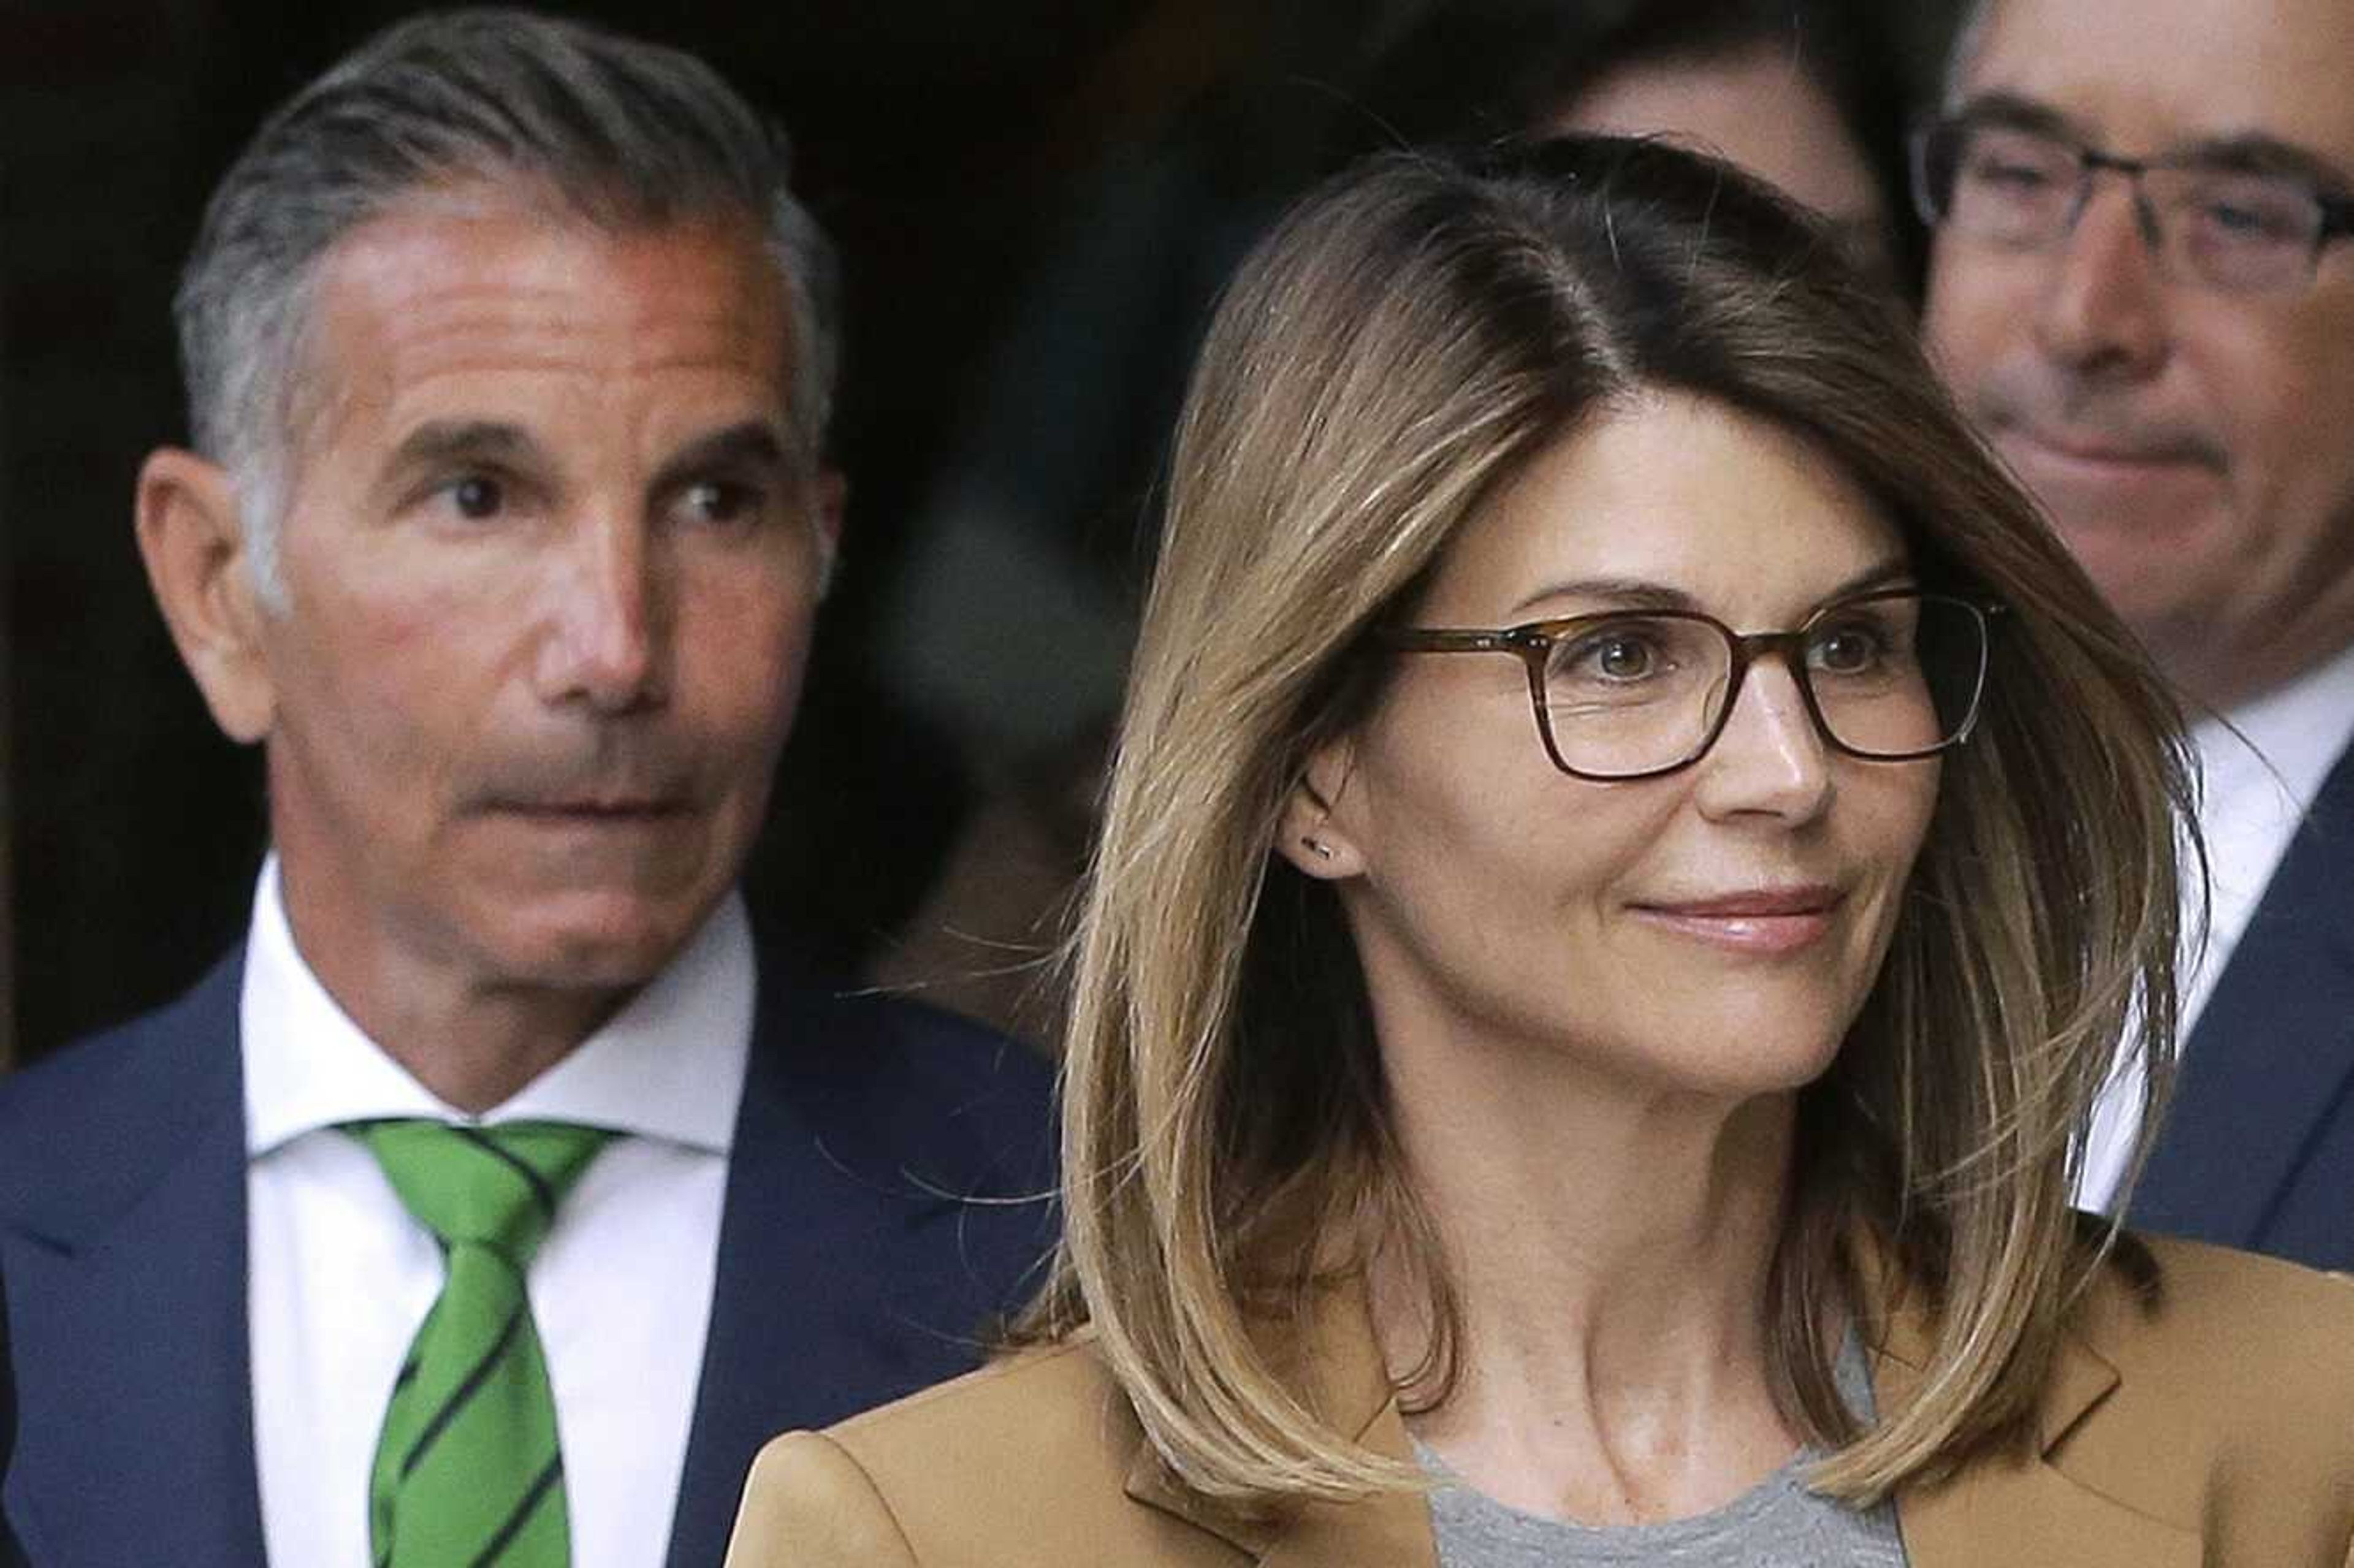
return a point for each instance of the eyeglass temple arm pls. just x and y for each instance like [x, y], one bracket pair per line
[1450, 640]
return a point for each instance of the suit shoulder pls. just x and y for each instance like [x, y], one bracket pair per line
[71, 1078]
[807, 1503]
[156, 1061]
[954, 1048]
[2234, 1390]
[849, 1033]
[1060, 1396]
[894, 1083]
[1021, 1462]
[86, 1132]
[2224, 1318]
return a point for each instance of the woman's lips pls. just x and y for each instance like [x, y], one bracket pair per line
[1763, 921]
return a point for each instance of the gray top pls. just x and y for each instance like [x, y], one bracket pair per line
[1775, 1525]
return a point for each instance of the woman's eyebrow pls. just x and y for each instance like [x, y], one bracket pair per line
[1896, 571]
[1644, 593]
[1616, 593]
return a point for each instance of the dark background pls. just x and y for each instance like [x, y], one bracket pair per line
[1035, 200]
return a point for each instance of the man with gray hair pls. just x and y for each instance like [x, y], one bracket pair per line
[2142, 287]
[501, 1193]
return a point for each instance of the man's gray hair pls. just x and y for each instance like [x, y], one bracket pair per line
[1969, 32]
[626, 134]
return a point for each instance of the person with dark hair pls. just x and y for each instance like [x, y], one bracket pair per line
[501, 1191]
[1804, 93]
[1629, 854]
[1809, 95]
[2142, 291]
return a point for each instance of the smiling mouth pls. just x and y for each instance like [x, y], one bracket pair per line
[1764, 922]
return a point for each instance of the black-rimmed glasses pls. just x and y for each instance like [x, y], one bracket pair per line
[2205, 217]
[1888, 677]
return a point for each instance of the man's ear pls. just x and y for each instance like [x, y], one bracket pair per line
[1310, 836]
[194, 546]
[830, 495]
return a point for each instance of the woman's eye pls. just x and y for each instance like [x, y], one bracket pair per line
[1612, 657]
[1623, 659]
[1846, 651]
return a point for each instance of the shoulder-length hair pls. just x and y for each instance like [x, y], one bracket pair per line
[1397, 348]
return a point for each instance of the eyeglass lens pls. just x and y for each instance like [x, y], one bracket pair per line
[1891, 677]
[2230, 228]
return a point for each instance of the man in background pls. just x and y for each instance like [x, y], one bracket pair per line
[499, 1195]
[1806, 94]
[2142, 289]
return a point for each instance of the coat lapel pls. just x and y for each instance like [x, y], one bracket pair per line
[1343, 1382]
[759, 1364]
[126, 1280]
[1394, 1529]
[2021, 1512]
[2024, 1508]
[2272, 1054]
[2028, 1512]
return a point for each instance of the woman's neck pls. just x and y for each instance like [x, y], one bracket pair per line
[1609, 1250]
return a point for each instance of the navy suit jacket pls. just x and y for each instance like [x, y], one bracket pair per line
[875, 1217]
[11, 1554]
[2258, 1152]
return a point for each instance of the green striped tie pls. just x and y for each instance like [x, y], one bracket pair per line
[467, 1468]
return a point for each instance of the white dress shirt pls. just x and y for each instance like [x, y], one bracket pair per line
[2256, 785]
[342, 1275]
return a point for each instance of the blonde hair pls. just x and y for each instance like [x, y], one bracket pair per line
[1401, 344]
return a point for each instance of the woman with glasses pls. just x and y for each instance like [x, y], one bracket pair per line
[1631, 853]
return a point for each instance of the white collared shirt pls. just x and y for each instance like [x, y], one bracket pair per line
[2256, 786]
[342, 1275]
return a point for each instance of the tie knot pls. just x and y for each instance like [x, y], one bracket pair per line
[488, 1186]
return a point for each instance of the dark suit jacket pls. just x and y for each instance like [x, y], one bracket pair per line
[850, 1270]
[2210, 1430]
[2258, 1152]
[11, 1554]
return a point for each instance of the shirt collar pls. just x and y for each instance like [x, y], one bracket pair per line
[669, 1065]
[2283, 741]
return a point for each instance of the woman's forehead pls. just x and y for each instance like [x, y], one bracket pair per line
[1722, 507]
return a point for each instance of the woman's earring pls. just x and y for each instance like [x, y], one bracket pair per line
[1317, 847]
